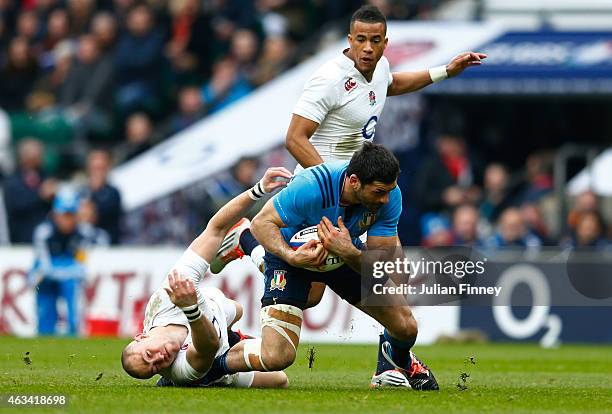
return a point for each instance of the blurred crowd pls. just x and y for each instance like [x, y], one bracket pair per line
[89, 84]
[126, 74]
[29, 195]
[464, 201]
[457, 197]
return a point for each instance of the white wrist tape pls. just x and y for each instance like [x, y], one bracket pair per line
[192, 266]
[192, 313]
[438, 73]
[257, 191]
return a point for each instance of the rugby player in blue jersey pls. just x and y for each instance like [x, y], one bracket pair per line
[356, 196]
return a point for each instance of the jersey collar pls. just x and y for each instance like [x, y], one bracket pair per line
[348, 63]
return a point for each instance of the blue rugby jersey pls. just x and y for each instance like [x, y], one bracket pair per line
[315, 192]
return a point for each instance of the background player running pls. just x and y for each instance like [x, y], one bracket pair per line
[343, 100]
[186, 327]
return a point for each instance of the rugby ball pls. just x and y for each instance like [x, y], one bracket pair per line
[332, 262]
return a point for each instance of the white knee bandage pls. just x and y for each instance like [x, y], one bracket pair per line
[252, 354]
[284, 319]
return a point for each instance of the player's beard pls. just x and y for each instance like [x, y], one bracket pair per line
[372, 207]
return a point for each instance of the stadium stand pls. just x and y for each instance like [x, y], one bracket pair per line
[125, 75]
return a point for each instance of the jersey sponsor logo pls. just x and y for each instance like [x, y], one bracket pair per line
[278, 280]
[350, 84]
[372, 98]
[367, 220]
[364, 130]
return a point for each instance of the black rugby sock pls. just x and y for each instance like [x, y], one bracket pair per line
[382, 364]
[248, 242]
[400, 350]
[232, 338]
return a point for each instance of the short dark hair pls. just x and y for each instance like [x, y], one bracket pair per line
[127, 367]
[368, 14]
[373, 162]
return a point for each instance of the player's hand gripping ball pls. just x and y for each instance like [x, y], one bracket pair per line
[332, 262]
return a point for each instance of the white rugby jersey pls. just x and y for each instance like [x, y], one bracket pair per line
[161, 311]
[345, 105]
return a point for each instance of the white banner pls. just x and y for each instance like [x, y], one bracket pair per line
[595, 177]
[120, 281]
[259, 121]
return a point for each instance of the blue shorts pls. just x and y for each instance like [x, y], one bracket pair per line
[285, 284]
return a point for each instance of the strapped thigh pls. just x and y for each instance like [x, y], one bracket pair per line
[284, 319]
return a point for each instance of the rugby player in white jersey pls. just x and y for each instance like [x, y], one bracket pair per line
[185, 326]
[343, 100]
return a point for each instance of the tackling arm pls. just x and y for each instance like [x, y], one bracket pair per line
[205, 344]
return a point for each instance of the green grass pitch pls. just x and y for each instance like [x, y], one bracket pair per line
[505, 378]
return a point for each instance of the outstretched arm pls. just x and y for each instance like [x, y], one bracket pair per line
[405, 82]
[208, 242]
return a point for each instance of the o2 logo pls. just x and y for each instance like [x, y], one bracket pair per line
[539, 317]
[364, 131]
